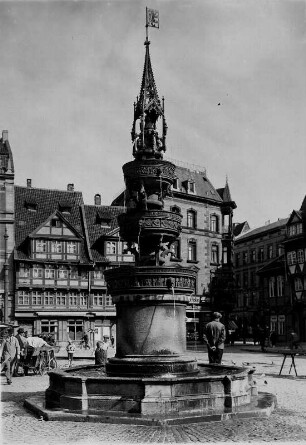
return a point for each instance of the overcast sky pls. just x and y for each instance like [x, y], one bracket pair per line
[71, 70]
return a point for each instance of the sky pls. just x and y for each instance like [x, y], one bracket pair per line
[233, 74]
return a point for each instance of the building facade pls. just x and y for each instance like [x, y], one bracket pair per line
[295, 257]
[262, 292]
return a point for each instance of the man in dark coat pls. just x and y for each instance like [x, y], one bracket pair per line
[214, 336]
[10, 354]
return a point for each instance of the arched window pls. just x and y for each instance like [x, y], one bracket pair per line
[214, 256]
[214, 223]
[192, 250]
[191, 219]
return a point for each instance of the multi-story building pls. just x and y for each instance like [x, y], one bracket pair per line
[7, 241]
[62, 249]
[257, 264]
[295, 254]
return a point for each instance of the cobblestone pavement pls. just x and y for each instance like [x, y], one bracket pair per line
[286, 424]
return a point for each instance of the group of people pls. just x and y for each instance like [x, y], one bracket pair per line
[14, 351]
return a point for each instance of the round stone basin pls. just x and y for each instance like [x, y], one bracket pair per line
[88, 389]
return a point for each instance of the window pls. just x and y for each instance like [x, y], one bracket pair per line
[295, 229]
[175, 184]
[270, 251]
[214, 257]
[72, 247]
[191, 187]
[111, 247]
[271, 287]
[225, 255]
[244, 257]
[75, 329]
[84, 274]
[41, 245]
[280, 250]
[253, 279]
[83, 300]
[56, 247]
[56, 223]
[74, 275]
[36, 298]
[23, 297]
[108, 300]
[191, 219]
[98, 300]
[62, 273]
[281, 324]
[261, 255]
[24, 270]
[49, 299]
[73, 300]
[176, 249]
[214, 223]
[175, 209]
[60, 299]
[38, 271]
[237, 259]
[291, 258]
[298, 284]
[98, 273]
[245, 280]
[253, 256]
[192, 250]
[280, 285]
[49, 272]
[300, 256]
[50, 327]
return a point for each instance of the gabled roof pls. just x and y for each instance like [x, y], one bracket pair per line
[240, 228]
[280, 223]
[203, 187]
[47, 203]
[94, 217]
[61, 218]
[297, 214]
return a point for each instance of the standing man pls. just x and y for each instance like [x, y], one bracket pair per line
[21, 340]
[10, 355]
[214, 336]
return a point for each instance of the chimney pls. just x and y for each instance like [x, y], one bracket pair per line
[97, 199]
[70, 188]
[29, 183]
[4, 135]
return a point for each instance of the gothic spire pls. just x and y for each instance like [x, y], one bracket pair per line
[147, 110]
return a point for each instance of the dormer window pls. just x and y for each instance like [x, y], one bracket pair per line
[175, 184]
[103, 221]
[65, 207]
[31, 205]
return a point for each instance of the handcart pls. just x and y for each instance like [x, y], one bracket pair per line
[39, 360]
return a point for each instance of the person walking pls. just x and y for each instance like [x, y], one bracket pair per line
[21, 340]
[70, 348]
[10, 355]
[214, 336]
